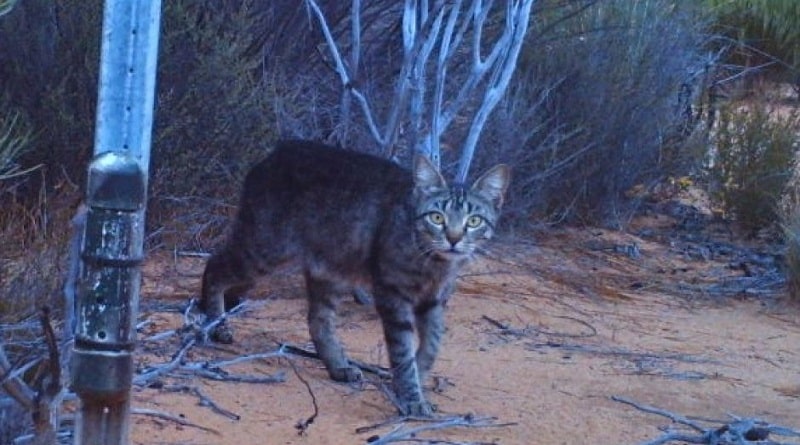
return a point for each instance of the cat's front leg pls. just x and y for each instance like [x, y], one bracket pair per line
[218, 278]
[430, 327]
[398, 321]
[322, 327]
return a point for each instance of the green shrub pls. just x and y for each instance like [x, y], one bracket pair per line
[48, 63]
[214, 116]
[753, 157]
[764, 31]
[790, 223]
[598, 94]
[214, 110]
[15, 139]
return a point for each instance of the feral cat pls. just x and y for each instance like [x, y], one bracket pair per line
[355, 221]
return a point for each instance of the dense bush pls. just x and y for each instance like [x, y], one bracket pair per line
[598, 97]
[597, 93]
[48, 63]
[765, 35]
[753, 153]
[15, 139]
[790, 223]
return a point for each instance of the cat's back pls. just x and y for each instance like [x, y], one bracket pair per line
[303, 167]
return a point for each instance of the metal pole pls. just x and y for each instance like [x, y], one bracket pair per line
[107, 298]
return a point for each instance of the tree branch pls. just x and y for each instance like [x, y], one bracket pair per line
[508, 46]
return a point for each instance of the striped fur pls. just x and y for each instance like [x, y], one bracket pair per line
[357, 221]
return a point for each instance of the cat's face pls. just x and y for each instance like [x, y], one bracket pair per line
[453, 221]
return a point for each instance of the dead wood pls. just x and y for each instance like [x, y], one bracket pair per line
[527, 331]
[172, 418]
[194, 331]
[379, 371]
[405, 433]
[303, 425]
[740, 431]
[204, 400]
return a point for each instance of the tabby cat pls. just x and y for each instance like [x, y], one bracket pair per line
[355, 221]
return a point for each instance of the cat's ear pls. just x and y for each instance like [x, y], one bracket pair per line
[493, 184]
[427, 178]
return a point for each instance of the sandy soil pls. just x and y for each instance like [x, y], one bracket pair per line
[540, 336]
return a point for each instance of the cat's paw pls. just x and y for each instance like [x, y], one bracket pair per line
[417, 408]
[349, 374]
[222, 334]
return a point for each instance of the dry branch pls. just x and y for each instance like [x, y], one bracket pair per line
[436, 27]
[194, 332]
[741, 431]
[172, 418]
[12, 384]
[303, 425]
[43, 399]
[366, 367]
[405, 433]
[527, 331]
[204, 400]
[600, 350]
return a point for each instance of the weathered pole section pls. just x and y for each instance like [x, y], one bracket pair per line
[107, 297]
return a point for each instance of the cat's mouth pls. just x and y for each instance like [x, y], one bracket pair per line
[451, 253]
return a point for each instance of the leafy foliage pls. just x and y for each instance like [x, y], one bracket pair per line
[766, 31]
[599, 94]
[754, 152]
[790, 223]
[15, 138]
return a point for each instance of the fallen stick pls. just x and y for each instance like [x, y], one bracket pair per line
[172, 418]
[404, 433]
[204, 400]
[366, 367]
[741, 431]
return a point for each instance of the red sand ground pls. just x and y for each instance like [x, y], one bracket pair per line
[591, 323]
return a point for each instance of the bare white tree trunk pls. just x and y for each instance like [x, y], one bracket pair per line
[449, 29]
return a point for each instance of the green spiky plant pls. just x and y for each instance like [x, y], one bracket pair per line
[770, 27]
[15, 138]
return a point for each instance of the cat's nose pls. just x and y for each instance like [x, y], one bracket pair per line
[453, 237]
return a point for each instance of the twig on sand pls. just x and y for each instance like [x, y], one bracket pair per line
[621, 352]
[366, 367]
[741, 431]
[406, 433]
[172, 418]
[194, 332]
[204, 400]
[303, 425]
[506, 329]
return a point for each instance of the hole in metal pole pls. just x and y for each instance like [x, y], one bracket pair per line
[101, 335]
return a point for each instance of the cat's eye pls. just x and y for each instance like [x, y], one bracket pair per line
[436, 218]
[474, 221]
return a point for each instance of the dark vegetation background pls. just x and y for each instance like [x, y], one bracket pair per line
[609, 96]
[598, 94]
